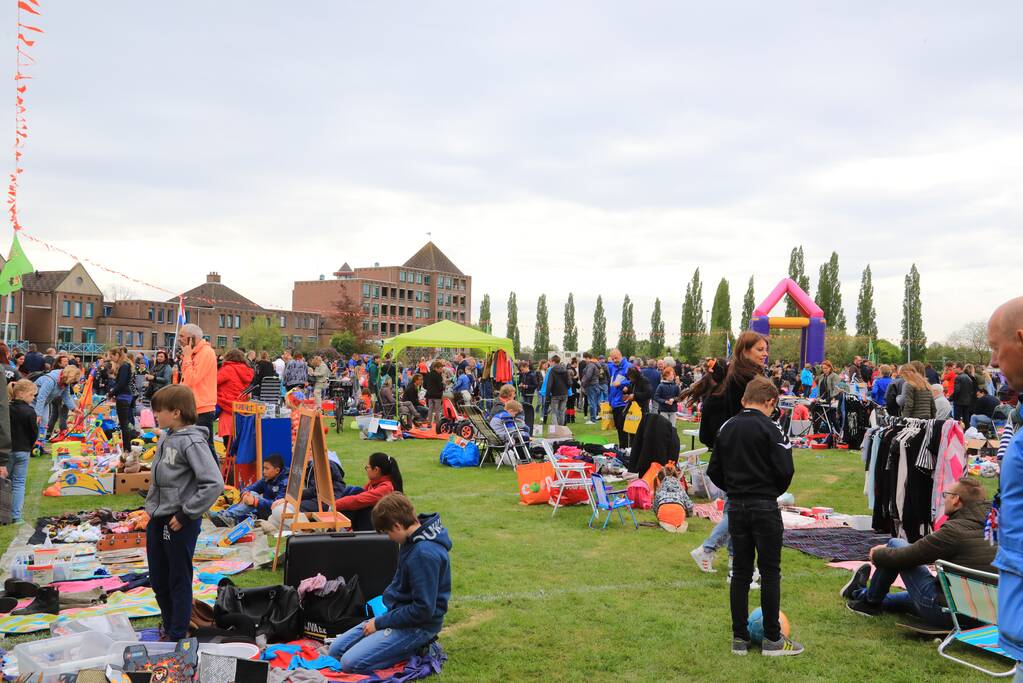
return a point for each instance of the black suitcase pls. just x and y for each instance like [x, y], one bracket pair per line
[371, 556]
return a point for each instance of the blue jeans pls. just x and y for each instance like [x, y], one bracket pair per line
[240, 511]
[602, 397]
[361, 654]
[18, 470]
[719, 536]
[593, 400]
[920, 596]
[978, 420]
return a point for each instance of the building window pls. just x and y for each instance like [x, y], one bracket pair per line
[365, 291]
[296, 340]
[220, 320]
[188, 316]
[365, 326]
[236, 341]
[426, 297]
[140, 339]
[12, 331]
[159, 316]
[88, 335]
[128, 338]
[312, 339]
[65, 308]
[365, 309]
[237, 322]
[119, 339]
[153, 338]
[401, 276]
[150, 316]
[10, 304]
[64, 334]
[107, 310]
[401, 293]
[376, 309]
[221, 342]
[375, 327]
[88, 310]
[376, 292]
[284, 321]
[168, 339]
[419, 278]
[426, 279]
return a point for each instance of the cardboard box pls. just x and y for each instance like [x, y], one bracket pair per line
[132, 483]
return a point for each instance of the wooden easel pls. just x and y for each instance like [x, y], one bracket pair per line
[310, 442]
[248, 408]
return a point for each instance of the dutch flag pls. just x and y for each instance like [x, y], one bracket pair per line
[181, 311]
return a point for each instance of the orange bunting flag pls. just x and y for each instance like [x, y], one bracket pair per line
[31, 28]
[28, 43]
[27, 7]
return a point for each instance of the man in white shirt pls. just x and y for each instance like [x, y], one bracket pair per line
[279, 364]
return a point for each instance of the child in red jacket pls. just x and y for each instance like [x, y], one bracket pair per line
[357, 502]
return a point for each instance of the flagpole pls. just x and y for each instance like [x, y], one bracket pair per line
[7, 317]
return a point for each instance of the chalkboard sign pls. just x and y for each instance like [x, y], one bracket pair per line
[298, 456]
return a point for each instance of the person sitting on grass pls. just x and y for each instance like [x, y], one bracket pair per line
[258, 497]
[416, 599]
[357, 502]
[509, 418]
[960, 540]
[752, 464]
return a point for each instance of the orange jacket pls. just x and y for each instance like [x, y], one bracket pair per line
[375, 490]
[199, 373]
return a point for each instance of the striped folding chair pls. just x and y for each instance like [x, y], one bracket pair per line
[972, 594]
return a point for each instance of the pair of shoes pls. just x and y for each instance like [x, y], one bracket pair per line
[781, 648]
[860, 579]
[740, 647]
[754, 584]
[13, 588]
[589, 422]
[864, 608]
[703, 560]
[47, 601]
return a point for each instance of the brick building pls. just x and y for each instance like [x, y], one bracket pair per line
[59, 308]
[394, 299]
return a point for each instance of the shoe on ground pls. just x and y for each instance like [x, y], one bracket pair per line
[47, 601]
[754, 584]
[781, 648]
[864, 608]
[7, 605]
[740, 647]
[703, 560]
[589, 422]
[860, 579]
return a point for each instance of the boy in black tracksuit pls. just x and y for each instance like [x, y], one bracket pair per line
[752, 463]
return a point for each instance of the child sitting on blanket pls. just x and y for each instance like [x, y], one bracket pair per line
[258, 497]
[671, 502]
[416, 599]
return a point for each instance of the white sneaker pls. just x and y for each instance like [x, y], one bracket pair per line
[589, 422]
[703, 560]
[754, 584]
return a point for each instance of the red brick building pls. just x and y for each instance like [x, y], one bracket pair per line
[394, 299]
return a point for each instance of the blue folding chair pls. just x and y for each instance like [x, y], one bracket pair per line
[609, 501]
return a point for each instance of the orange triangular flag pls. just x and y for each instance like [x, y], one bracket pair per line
[27, 7]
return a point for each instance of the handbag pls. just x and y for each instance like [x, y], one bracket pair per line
[346, 603]
[632, 418]
[269, 611]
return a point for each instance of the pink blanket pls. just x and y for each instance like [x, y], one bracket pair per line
[78, 586]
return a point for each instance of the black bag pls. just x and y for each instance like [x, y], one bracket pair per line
[371, 556]
[270, 611]
[334, 613]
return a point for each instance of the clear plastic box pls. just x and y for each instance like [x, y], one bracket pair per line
[115, 626]
[64, 654]
[239, 650]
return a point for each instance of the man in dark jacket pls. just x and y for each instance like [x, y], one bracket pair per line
[558, 382]
[959, 540]
[589, 380]
[34, 361]
[963, 392]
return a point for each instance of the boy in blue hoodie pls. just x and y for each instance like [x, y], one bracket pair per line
[258, 497]
[417, 598]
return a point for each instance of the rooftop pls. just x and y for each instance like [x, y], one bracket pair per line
[432, 258]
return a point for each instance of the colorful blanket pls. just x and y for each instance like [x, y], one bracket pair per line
[840, 544]
[307, 654]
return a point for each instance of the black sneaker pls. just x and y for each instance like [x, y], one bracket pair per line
[864, 608]
[860, 579]
[740, 646]
[781, 648]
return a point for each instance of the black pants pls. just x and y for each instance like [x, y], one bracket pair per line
[58, 411]
[756, 528]
[624, 438]
[528, 413]
[206, 420]
[964, 413]
[126, 420]
[170, 572]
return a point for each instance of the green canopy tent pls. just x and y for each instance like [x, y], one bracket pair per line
[445, 334]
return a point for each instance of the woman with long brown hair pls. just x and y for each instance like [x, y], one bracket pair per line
[917, 399]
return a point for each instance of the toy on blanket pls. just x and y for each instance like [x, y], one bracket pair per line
[173, 667]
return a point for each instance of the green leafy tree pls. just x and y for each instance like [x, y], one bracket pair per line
[261, 336]
[627, 335]
[693, 326]
[542, 332]
[599, 345]
[747, 307]
[484, 322]
[345, 343]
[720, 321]
[829, 294]
[866, 316]
[513, 322]
[887, 352]
[655, 347]
[571, 338]
[912, 317]
[797, 271]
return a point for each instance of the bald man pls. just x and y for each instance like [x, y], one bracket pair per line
[199, 373]
[1005, 337]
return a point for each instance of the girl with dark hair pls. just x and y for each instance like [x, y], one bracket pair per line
[638, 389]
[357, 502]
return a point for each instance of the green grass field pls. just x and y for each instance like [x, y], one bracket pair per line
[537, 597]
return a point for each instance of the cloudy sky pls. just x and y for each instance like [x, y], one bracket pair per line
[593, 147]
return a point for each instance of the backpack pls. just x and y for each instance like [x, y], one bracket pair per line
[603, 377]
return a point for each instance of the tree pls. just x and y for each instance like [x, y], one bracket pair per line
[348, 315]
[721, 309]
[261, 336]
[542, 331]
[866, 316]
[829, 294]
[797, 271]
[345, 343]
[513, 323]
[747, 307]
[571, 338]
[887, 353]
[484, 322]
[655, 347]
[970, 342]
[693, 326]
[627, 335]
[599, 345]
[913, 337]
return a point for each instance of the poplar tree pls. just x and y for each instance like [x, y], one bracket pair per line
[912, 318]
[571, 338]
[484, 320]
[747, 307]
[627, 335]
[656, 331]
[513, 322]
[829, 294]
[866, 316]
[542, 331]
[797, 271]
[599, 345]
[693, 326]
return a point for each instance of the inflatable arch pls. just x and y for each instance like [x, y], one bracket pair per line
[812, 323]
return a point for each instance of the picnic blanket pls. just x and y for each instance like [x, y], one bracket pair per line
[835, 544]
[791, 520]
[136, 603]
[303, 655]
[853, 566]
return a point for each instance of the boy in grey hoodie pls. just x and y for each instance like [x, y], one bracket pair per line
[186, 482]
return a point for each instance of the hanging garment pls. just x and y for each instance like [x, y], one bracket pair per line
[948, 469]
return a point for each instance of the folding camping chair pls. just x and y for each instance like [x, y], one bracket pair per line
[488, 441]
[568, 474]
[609, 501]
[696, 468]
[972, 594]
[269, 390]
[516, 447]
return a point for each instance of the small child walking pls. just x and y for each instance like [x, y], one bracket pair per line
[24, 430]
[186, 482]
[752, 464]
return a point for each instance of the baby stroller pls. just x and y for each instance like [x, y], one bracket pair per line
[455, 423]
[826, 425]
